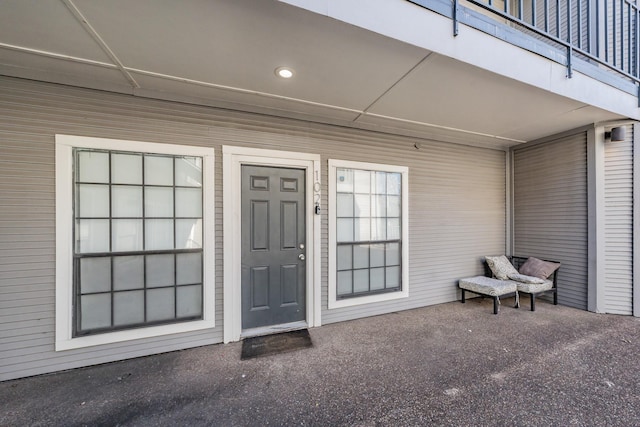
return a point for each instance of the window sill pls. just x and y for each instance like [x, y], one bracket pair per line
[368, 299]
[132, 334]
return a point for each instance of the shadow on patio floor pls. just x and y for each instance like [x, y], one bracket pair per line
[450, 364]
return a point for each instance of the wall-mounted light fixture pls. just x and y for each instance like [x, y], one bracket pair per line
[615, 134]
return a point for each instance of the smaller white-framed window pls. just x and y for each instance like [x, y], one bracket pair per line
[134, 240]
[368, 233]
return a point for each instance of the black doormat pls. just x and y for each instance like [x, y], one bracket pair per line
[275, 344]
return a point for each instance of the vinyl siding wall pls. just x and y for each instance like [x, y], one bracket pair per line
[456, 206]
[618, 225]
[550, 210]
[456, 216]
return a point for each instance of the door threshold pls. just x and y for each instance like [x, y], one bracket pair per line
[273, 329]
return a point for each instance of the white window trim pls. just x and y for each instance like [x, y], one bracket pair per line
[233, 159]
[333, 301]
[64, 241]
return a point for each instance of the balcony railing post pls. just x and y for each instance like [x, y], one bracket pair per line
[455, 18]
[605, 13]
[579, 23]
[569, 38]
[558, 19]
[534, 18]
[520, 11]
[629, 38]
[636, 48]
[621, 23]
[546, 16]
[589, 28]
[615, 35]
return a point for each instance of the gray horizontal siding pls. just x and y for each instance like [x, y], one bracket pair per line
[30, 115]
[456, 215]
[550, 210]
[618, 225]
[456, 208]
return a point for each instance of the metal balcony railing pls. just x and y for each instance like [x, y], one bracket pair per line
[605, 33]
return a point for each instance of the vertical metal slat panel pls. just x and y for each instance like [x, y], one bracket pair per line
[618, 188]
[550, 210]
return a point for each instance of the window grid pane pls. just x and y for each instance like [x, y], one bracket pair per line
[368, 232]
[143, 246]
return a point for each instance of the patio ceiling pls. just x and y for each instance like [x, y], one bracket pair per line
[224, 52]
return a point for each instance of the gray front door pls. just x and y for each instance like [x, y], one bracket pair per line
[273, 246]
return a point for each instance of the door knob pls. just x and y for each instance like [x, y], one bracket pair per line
[301, 257]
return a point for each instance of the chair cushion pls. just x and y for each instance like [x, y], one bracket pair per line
[500, 266]
[538, 268]
[532, 288]
[523, 278]
[487, 285]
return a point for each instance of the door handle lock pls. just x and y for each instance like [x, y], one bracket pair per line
[301, 257]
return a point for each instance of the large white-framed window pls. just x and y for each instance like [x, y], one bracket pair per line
[368, 233]
[134, 240]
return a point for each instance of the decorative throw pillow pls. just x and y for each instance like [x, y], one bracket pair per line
[500, 267]
[523, 278]
[538, 268]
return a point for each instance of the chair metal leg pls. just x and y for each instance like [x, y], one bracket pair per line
[555, 297]
[533, 302]
[495, 305]
[462, 300]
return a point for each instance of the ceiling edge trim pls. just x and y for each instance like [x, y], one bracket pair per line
[58, 56]
[431, 125]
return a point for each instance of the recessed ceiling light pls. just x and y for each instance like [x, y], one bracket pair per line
[284, 72]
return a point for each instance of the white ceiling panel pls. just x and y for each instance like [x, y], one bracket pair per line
[241, 43]
[452, 94]
[46, 25]
[162, 88]
[546, 124]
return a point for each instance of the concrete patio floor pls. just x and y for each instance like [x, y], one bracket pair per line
[451, 364]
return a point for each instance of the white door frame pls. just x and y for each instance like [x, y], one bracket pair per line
[233, 158]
